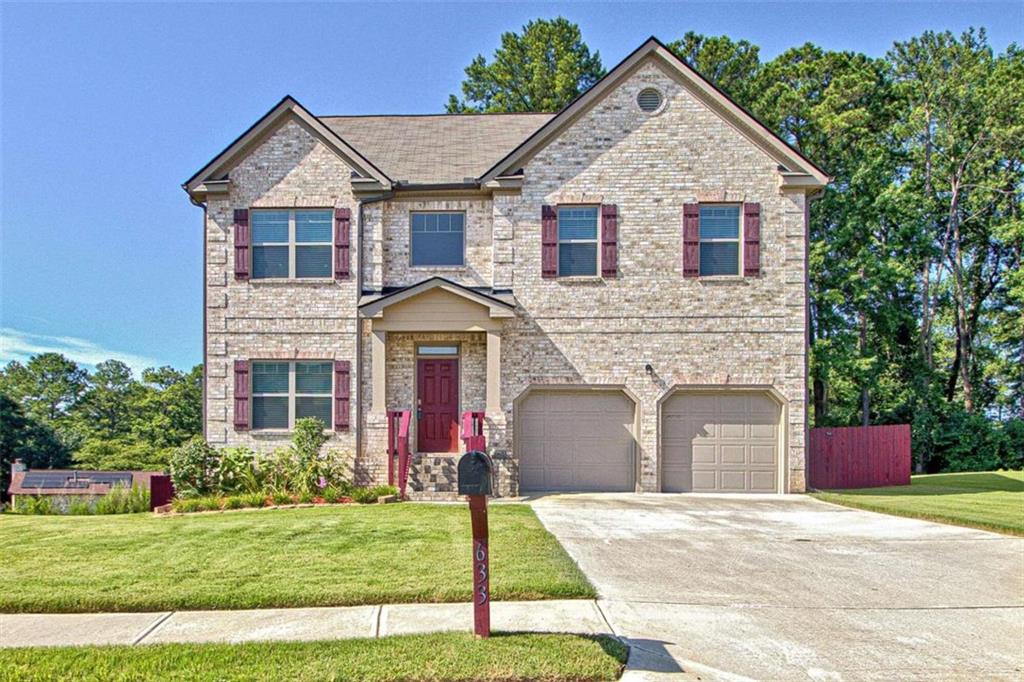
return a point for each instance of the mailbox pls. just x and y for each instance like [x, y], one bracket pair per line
[475, 473]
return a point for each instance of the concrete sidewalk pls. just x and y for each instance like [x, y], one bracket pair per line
[17, 630]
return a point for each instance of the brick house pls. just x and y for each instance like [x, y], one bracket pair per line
[619, 287]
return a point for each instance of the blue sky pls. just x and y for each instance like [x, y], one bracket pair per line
[107, 109]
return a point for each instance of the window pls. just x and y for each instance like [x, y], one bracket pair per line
[437, 238]
[437, 350]
[283, 392]
[719, 240]
[577, 241]
[294, 244]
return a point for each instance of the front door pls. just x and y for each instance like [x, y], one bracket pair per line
[437, 402]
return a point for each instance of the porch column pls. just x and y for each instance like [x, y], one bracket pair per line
[378, 346]
[493, 372]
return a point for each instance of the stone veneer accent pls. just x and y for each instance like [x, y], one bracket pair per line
[720, 331]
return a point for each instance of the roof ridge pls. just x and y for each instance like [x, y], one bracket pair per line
[467, 115]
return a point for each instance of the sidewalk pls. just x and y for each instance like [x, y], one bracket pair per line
[576, 616]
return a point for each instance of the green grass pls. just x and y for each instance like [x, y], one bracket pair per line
[416, 657]
[330, 556]
[989, 500]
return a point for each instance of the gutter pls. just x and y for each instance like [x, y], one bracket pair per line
[202, 205]
[812, 196]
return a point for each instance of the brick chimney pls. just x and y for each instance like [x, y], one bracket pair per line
[18, 465]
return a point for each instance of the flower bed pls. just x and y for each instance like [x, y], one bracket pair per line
[344, 495]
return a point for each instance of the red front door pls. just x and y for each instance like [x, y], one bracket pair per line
[437, 399]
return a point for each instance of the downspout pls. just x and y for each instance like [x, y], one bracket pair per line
[807, 329]
[359, 323]
[202, 205]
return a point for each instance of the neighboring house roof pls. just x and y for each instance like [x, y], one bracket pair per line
[75, 481]
[436, 149]
[740, 118]
[469, 149]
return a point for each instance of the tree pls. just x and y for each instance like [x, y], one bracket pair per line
[730, 65]
[27, 439]
[47, 387]
[107, 408]
[543, 69]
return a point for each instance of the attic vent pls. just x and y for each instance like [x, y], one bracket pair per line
[649, 100]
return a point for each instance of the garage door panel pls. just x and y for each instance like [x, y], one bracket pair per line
[575, 441]
[719, 441]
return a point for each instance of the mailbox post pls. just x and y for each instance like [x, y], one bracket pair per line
[475, 472]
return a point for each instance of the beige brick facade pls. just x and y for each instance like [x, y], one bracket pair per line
[736, 331]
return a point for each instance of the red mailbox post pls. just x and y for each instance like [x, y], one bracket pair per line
[475, 482]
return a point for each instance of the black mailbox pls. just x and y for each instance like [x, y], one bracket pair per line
[475, 474]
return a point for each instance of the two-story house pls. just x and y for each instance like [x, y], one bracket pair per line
[621, 287]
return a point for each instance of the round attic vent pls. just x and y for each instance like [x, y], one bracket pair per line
[648, 100]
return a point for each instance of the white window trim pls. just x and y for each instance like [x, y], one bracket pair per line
[291, 394]
[738, 240]
[465, 238]
[596, 241]
[292, 244]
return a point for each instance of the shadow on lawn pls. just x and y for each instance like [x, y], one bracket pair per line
[945, 484]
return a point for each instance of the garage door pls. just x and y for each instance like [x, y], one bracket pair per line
[575, 441]
[720, 442]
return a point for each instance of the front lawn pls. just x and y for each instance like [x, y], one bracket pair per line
[417, 657]
[990, 500]
[332, 556]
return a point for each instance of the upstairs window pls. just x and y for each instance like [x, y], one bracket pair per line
[294, 244]
[437, 239]
[283, 392]
[577, 241]
[719, 240]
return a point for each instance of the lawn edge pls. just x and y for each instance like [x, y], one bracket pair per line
[932, 518]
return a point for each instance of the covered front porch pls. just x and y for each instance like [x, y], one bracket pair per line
[435, 378]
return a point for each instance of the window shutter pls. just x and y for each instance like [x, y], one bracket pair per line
[241, 244]
[342, 371]
[609, 240]
[549, 242]
[241, 395]
[751, 240]
[342, 223]
[691, 240]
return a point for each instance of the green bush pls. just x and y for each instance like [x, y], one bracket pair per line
[193, 468]
[79, 507]
[1011, 450]
[211, 503]
[282, 497]
[33, 505]
[187, 505]
[123, 500]
[370, 495]
[121, 455]
[237, 471]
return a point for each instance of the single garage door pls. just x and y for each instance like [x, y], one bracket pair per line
[725, 441]
[575, 441]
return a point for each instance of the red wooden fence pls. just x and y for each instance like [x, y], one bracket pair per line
[859, 457]
[161, 491]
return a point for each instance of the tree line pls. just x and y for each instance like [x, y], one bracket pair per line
[55, 413]
[915, 257]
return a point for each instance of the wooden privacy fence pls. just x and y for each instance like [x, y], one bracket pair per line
[859, 457]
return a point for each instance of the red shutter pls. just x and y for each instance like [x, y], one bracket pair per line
[241, 395]
[609, 240]
[241, 243]
[691, 240]
[342, 222]
[549, 242]
[342, 371]
[751, 240]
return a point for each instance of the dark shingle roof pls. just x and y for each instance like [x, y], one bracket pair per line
[438, 149]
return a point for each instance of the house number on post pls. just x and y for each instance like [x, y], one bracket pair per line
[475, 483]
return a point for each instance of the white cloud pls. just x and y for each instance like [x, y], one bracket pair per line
[20, 346]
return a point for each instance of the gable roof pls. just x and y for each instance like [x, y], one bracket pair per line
[287, 107]
[740, 118]
[496, 306]
[436, 149]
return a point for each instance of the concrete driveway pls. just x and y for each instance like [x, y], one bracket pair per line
[786, 587]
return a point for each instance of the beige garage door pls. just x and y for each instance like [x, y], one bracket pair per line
[575, 441]
[720, 442]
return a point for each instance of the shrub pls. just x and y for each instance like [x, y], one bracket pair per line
[370, 495]
[33, 505]
[193, 467]
[79, 507]
[1011, 446]
[211, 503]
[254, 499]
[187, 505]
[281, 497]
[237, 471]
[123, 500]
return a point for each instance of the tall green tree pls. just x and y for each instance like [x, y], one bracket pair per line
[730, 65]
[48, 386]
[543, 68]
[26, 438]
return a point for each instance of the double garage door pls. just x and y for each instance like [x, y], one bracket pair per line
[583, 440]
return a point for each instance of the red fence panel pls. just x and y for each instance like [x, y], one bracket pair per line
[161, 491]
[859, 456]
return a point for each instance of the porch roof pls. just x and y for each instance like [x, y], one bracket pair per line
[498, 305]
